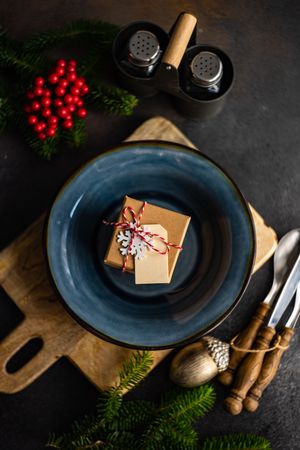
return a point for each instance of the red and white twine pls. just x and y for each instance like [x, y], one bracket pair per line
[136, 229]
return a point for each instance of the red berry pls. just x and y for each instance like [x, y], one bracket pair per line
[62, 112]
[75, 90]
[38, 127]
[30, 95]
[72, 62]
[45, 101]
[71, 76]
[63, 83]
[27, 109]
[39, 81]
[71, 69]
[61, 62]
[60, 91]
[46, 112]
[42, 136]
[71, 107]
[53, 78]
[76, 99]
[51, 131]
[80, 82]
[32, 120]
[67, 124]
[79, 103]
[60, 71]
[35, 106]
[84, 89]
[38, 91]
[57, 102]
[68, 99]
[43, 125]
[46, 93]
[81, 113]
[52, 120]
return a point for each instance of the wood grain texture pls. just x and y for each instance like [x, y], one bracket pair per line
[248, 372]
[179, 40]
[268, 371]
[24, 277]
[245, 340]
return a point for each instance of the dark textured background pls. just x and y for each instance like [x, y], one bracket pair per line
[256, 139]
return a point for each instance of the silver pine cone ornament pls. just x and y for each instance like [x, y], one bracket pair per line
[199, 362]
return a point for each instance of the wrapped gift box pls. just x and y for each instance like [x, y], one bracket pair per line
[176, 225]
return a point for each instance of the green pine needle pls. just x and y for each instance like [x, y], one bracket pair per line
[94, 31]
[120, 440]
[189, 403]
[12, 56]
[140, 425]
[55, 441]
[177, 412]
[236, 442]
[133, 415]
[82, 433]
[6, 112]
[46, 149]
[113, 100]
[133, 372]
[77, 135]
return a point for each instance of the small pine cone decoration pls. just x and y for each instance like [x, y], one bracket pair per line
[219, 351]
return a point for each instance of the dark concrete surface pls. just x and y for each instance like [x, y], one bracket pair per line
[256, 138]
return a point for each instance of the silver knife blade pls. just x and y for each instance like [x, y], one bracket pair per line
[291, 323]
[286, 295]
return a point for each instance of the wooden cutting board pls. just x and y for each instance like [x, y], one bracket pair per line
[24, 277]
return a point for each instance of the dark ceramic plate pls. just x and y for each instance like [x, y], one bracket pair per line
[211, 273]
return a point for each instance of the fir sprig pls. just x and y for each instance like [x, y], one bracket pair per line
[77, 135]
[176, 414]
[141, 425]
[114, 100]
[81, 30]
[236, 442]
[133, 372]
[13, 56]
[22, 62]
[6, 111]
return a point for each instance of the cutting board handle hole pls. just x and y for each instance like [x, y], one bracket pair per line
[24, 355]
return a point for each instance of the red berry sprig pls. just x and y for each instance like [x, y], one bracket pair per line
[55, 101]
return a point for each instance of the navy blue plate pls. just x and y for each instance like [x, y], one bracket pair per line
[211, 273]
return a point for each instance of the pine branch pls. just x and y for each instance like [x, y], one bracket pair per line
[84, 432]
[77, 135]
[46, 149]
[113, 100]
[236, 442]
[12, 56]
[133, 415]
[6, 112]
[181, 435]
[176, 414]
[95, 31]
[121, 440]
[189, 403]
[133, 372]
